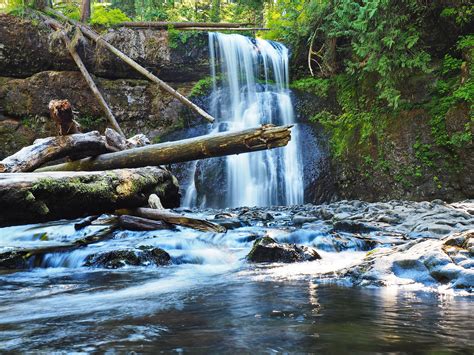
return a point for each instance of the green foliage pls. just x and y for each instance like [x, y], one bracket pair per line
[316, 86]
[177, 37]
[69, 8]
[450, 65]
[88, 122]
[107, 17]
[462, 14]
[424, 153]
[201, 87]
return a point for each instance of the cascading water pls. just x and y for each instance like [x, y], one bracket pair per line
[250, 88]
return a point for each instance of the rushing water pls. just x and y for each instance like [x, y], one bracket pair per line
[250, 88]
[212, 300]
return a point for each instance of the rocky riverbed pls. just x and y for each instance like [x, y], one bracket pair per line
[293, 272]
[398, 243]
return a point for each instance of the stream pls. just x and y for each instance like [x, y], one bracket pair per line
[210, 299]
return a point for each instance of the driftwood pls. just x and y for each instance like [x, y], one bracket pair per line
[39, 197]
[87, 77]
[215, 145]
[61, 113]
[99, 40]
[174, 218]
[135, 223]
[53, 148]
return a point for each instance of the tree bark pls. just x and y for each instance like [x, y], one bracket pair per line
[61, 113]
[39, 197]
[53, 148]
[176, 219]
[220, 144]
[85, 10]
[99, 40]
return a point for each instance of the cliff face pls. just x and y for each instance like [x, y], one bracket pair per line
[35, 68]
[400, 158]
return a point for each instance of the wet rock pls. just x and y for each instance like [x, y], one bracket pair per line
[338, 243]
[255, 215]
[230, 223]
[114, 259]
[427, 261]
[354, 227]
[267, 250]
[13, 260]
[300, 220]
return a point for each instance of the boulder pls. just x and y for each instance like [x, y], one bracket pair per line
[143, 255]
[267, 250]
[430, 262]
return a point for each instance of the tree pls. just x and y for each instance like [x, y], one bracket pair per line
[85, 10]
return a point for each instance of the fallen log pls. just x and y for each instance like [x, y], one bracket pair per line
[166, 25]
[215, 145]
[99, 40]
[85, 73]
[38, 197]
[49, 149]
[209, 29]
[135, 223]
[174, 218]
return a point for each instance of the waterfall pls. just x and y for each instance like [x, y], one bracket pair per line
[250, 88]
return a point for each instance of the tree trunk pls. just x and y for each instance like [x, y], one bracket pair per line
[53, 148]
[61, 113]
[40, 4]
[38, 197]
[85, 10]
[215, 145]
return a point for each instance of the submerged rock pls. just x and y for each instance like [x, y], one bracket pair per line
[144, 255]
[267, 250]
[426, 261]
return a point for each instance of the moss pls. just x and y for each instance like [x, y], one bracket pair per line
[91, 123]
[315, 86]
[84, 186]
[202, 87]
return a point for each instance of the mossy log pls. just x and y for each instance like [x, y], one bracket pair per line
[38, 197]
[49, 149]
[215, 145]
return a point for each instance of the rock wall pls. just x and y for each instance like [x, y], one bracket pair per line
[404, 162]
[35, 68]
